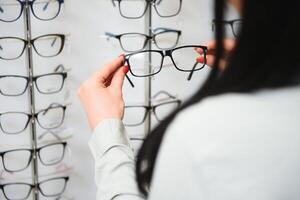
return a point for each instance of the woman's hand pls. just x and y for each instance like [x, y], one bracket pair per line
[101, 95]
[229, 45]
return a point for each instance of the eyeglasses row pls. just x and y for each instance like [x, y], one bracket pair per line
[53, 187]
[15, 85]
[49, 45]
[16, 122]
[11, 10]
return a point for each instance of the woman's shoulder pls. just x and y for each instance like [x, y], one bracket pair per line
[229, 118]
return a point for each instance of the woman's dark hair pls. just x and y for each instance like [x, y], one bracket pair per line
[265, 57]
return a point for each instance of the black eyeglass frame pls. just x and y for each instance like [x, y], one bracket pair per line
[66, 179]
[29, 117]
[146, 7]
[153, 108]
[230, 23]
[25, 43]
[34, 79]
[165, 53]
[30, 3]
[2, 154]
[147, 38]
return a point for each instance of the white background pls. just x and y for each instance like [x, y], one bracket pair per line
[85, 52]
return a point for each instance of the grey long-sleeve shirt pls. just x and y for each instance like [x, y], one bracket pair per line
[229, 147]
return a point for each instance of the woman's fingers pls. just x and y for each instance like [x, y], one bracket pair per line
[106, 73]
[118, 78]
[210, 61]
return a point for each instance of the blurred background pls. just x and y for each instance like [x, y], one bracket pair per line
[87, 47]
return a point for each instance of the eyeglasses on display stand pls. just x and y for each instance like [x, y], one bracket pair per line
[18, 159]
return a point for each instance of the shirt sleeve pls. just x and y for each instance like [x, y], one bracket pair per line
[114, 162]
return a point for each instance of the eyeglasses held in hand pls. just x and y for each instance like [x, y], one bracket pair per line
[11, 10]
[49, 118]
[48, 188]
[17, 160]
[163, 38]
[49, 45]
[136, 115]
[15, 85]
[134, 9]
[235, 25]
[179, 57]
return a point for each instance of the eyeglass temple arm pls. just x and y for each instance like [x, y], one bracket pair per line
[163, 92]
[158, 2]
[110, 35]
[192, 72]
[1, 48]
[129, 80]
[52, 105]
[113, 2]
[52, 133]
[60, 67]
[162, 29]
[46, 6]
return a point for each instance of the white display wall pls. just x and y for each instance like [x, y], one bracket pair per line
[86, 50]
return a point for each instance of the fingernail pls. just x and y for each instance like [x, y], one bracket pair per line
[122, 55]
[125, 69]
[200, 59]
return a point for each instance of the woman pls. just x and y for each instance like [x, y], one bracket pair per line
[238, 137]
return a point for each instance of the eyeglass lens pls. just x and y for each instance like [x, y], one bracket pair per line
[11, 10]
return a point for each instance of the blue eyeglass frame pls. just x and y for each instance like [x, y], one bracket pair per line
[30, 3]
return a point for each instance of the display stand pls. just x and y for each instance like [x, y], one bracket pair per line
[35, 175]
[148, 64]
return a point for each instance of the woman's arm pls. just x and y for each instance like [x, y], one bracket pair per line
[101, 96]
[114, 162]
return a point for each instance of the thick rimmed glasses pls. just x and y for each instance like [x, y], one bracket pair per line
[134, 9]
[48, 188]
[16, 122]
[49, 45]
[11, 10]
[235, 25]
[180, 57]
[163, 38]
[17, 160]
[15, 85]
[136, 115]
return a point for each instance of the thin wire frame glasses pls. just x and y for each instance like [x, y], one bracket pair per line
[48, 188]
[163, 38]
[11, 10]
[49, 45]
[134, 9]
[49, 118]
[17, 160]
